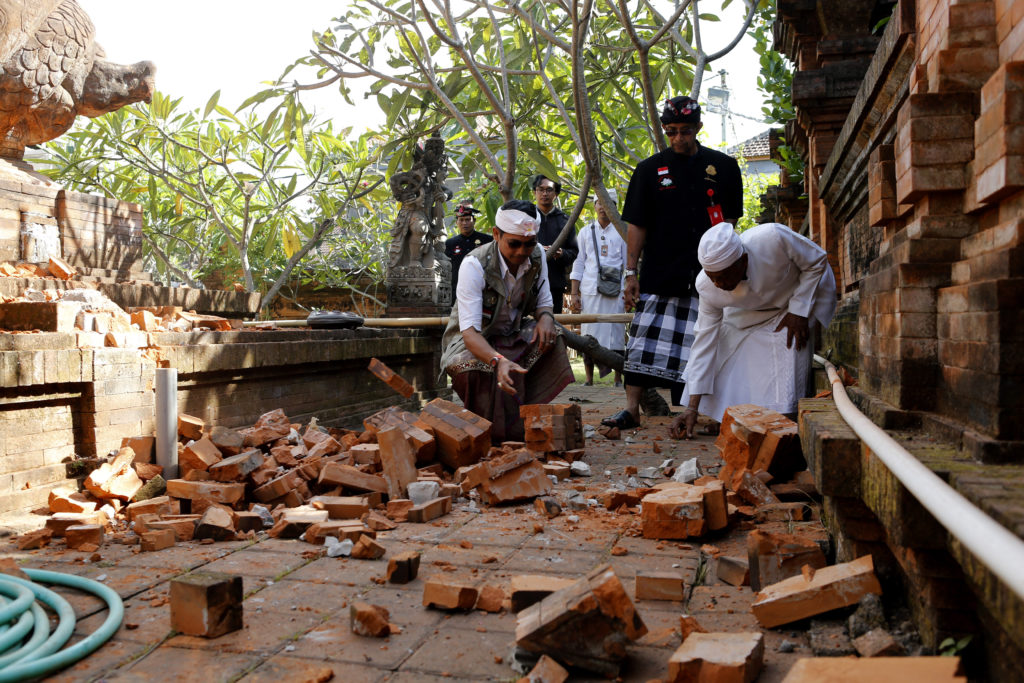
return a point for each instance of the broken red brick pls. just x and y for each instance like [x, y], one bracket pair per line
[350, 529]
[157, 539]
[391, 378]
[190, 427]
[491, 598]
[462, 437]
[877, 643]
[335, 474]
[398, 510]
[160, 505]
[237, 467]
[206, 604]
[717, 657]
[830, 588]
[597, 605]
[443, 593]
[431, 510]
[403, 567]
[732, 570]
[688, 624]
[342, 507]
[217, 522]
[369, 620]
[676, 512]
[398, 461]
[528, 589]
[228, 441]
[212, 492]
[60, 521]
[755, 438]
[199, 455]
[546, 670]
[854, 670]
[78, 535]
[419, 434]
[653, 585]
[754, 491]
[66, 500]
[366, 548]
[142, 446]
[522, 483]
[115, 479]
[774, 557]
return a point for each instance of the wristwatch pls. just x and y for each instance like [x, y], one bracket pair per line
[496, 359]
[629, 271]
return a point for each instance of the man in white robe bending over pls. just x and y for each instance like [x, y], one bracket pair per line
[761, 293]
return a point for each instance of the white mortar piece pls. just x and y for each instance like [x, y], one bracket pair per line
[580, 469]
[421, 492]
[687, 472]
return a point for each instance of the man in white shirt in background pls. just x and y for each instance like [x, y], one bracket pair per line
[761, 295]
[497, 359]
[600, 245]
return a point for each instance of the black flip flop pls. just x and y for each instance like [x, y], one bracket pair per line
[622, 419]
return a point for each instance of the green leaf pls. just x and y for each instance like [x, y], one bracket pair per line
[211, 103]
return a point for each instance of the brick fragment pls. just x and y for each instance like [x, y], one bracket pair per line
[732, 570]
[829, 588]
[228, 441]
[754, 491]
[248, 521]
[855, 670]
[528, 589]
[877, 643]
[45, 316]
[369, 620]
[522, 483]
[58, 522]
[755, 438]
[61, 269]
[237, 467]
[398, 461]
[190, 427]
[142, 446]
[206, 604]
[773, 557]
[160, 505]
[293, 522]
[365, 454]
[366, 548]
[65, 500]
[674, 513]
[462, 437]
[80, 534]
[147, 471]
[157, 539]
[209, 491]
[391, 378]
[491, 598]
[431, 510]
[278, 487]
[688, 624]
[444, 593]
[217, 522]
[781, 512]
[398, 510]
[350, 529]
[653, 585]
[346, 476]
[199, 455]
[548, 506]
[419, 434]
[341, 507]
[597, 605]
[403, 567]
[115, 479]
[717, 657]
[183, 526]
[546, 670]
[716, 512]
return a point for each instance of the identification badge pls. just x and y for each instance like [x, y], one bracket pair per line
[715, 213]
[604, 250]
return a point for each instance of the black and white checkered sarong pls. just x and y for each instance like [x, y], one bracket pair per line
[660, 336]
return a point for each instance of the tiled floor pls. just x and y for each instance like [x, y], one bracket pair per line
[296, 609]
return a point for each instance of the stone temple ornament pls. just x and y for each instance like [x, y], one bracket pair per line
[52, 70]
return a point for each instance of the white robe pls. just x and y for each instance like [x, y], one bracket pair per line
[609, 335]
[737, 357]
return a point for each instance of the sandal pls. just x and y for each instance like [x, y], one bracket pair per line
[622, 419]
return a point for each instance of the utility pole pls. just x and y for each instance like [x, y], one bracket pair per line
[718, 101]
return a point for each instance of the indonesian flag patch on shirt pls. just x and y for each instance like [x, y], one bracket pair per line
[663, 170]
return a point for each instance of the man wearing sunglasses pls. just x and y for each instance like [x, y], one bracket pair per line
[674, 197]
[498, 359]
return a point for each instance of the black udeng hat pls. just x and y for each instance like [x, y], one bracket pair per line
[680, 109]
[466, 210]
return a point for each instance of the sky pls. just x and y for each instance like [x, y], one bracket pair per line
[233, 46]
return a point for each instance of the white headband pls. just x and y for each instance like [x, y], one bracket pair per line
[515, 222]
[719, 248]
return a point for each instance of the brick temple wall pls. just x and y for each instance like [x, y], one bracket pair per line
[59, 403]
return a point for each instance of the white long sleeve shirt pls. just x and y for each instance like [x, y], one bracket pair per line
[785, 272]
[470, 293]
[612, 251]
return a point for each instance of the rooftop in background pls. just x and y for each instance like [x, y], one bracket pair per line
[755, 149]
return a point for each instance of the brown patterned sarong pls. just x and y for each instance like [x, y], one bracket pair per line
[477, 385]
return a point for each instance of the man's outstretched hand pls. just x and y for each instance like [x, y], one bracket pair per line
[684, 425]
[796, 329]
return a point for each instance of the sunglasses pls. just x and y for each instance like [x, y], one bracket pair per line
[673, 132]
[519, 244]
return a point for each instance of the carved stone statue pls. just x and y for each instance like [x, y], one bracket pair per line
[419, 273]
[52, 69]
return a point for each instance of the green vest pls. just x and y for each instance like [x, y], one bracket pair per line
[494, 298]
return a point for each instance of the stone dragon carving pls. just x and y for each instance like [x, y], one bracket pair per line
[52, 70]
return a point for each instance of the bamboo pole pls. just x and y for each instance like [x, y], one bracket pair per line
[437, 321]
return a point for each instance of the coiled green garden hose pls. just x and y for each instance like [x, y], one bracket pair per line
[41, 654]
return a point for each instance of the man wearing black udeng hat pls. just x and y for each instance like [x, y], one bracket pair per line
[674, 197]
[466, 241]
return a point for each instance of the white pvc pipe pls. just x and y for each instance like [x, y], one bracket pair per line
[166, 386]
[989, 541]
